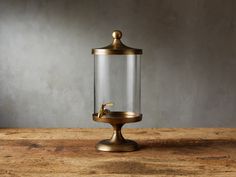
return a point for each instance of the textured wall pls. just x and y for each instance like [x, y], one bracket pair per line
[188, 66]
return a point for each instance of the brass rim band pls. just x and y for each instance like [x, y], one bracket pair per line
[118, 117]
[116, 52]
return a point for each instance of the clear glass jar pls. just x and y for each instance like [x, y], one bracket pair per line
[117, 81]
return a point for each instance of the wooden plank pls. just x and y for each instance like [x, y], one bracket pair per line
[164, 152]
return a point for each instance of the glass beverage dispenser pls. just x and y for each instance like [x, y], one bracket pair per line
[117, 91]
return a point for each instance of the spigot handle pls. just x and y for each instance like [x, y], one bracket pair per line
[108, 104]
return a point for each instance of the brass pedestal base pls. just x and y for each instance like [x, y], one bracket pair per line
[117, 143]
[107, 145]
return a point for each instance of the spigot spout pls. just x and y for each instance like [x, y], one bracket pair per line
[103, 110]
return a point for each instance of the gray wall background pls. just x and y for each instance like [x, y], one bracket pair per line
[188, 66]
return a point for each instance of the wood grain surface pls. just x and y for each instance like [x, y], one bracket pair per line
[71, 153]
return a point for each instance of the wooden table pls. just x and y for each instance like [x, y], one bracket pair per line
[71, 153]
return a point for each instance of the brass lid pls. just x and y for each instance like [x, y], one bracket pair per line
[116, 47]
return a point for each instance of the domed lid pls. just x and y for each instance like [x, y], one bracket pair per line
[116, 47]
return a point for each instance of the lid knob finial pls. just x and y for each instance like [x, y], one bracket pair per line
[117, 34]
[116, 47]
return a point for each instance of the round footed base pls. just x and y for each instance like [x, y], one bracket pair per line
[125, 146]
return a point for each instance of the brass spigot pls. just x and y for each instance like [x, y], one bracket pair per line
[104, 111]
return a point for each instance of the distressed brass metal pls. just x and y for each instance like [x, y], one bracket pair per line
[116, 47]
[117, 143]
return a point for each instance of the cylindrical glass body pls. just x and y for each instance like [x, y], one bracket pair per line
[117, 80]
